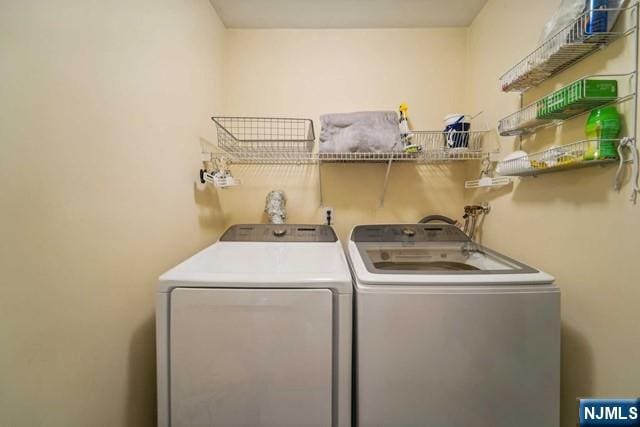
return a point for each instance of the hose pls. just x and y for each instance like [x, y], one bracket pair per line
[275, 207]
[630, 144]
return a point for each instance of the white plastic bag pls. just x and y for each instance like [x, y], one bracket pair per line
[567, 12]
[613, 14]
[570, 10]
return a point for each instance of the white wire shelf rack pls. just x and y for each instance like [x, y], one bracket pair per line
[434, 146]
[570, 45]
[443, 155]
[273, 136]
[438, 146]
[576, 155]
[572, 100]
[255, 140]
[366, 157]
[273, 141]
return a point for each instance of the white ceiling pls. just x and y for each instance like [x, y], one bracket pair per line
[347, 13]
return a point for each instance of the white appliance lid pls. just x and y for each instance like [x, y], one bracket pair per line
[264, 264]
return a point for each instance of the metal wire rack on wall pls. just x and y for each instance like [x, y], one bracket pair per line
[264, 140]
[267, 140]
[571, 44]
[551, 110]
[245, 137]
[593, 30]
[569, 156]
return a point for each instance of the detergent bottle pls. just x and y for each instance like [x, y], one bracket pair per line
[602, 129]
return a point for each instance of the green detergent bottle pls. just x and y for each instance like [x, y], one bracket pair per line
[602, 128]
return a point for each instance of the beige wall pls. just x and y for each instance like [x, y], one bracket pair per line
[570, 224]
[305, 73]
[102, 105]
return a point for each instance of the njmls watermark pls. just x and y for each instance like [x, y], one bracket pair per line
[609, 412]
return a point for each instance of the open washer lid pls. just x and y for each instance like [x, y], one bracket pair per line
[429, 254]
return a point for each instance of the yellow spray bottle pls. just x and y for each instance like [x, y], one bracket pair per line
[405, 133]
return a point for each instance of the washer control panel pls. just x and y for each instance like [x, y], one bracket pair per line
[279, 233]
[408, 233]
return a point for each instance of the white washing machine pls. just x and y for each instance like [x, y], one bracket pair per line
[255, 330]
[451, 334]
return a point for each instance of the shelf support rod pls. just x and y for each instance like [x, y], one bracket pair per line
[320, 183]
[521, 107]
[386, 181]
[636, 19]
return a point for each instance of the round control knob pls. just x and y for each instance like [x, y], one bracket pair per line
[279, 232]
[409, 232]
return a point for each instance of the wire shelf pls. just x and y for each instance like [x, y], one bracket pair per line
[313, 158]
[245, 158]
[267, 136]
[432, 146]
[441, 154]
[367, 157]
[570, 45]
[576, 155]
[440, 146]
[571, 101]
[256, 140]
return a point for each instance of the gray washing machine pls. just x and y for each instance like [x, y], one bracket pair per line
[450, 333]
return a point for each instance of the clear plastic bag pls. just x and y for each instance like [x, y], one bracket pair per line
[613, 14]
[570, 10]
[567, 12]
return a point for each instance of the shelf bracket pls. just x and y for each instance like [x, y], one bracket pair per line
[386, 182]
[320, 184]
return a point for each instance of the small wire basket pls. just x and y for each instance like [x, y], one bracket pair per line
[267, 137]
[569, 101]
[440, 145]
[583, 36]
[569, 156]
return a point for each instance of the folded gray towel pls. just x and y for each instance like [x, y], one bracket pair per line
[362, 132]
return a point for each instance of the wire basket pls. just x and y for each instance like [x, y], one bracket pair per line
[439, 145]
[264, 136]
[570, 101]
[569, 156]
[568, 46]
[275, 140]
